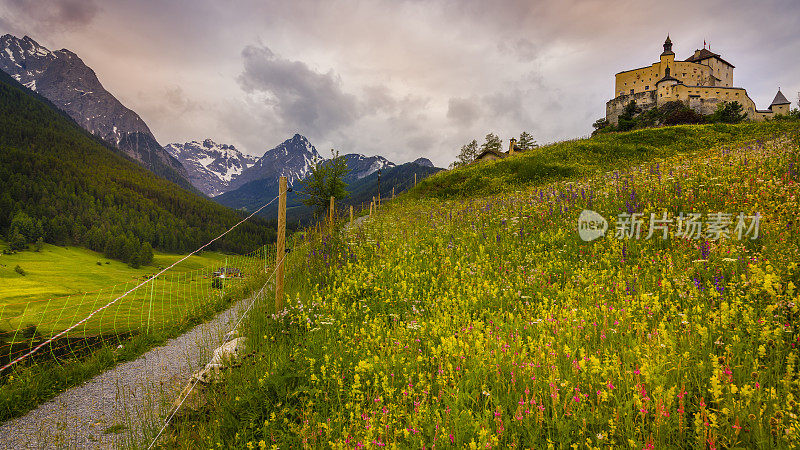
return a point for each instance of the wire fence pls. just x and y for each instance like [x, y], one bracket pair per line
[171, 300]
[57, 329]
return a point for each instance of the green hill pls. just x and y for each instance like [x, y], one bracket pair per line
[483, 320]
[583, 157]
[60, 184]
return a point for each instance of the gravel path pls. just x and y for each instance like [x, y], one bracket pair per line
[125, 396]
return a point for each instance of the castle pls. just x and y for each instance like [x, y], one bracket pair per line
[702, 81]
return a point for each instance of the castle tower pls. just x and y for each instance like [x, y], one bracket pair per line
[667, 59]
[512, 147]
[780, 105]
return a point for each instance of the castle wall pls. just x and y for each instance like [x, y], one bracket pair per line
[703, 99]
[693, 74]
[780, 109]
[720, 70]
[645, 78]
[638, 80]
[702, 85]
[614, 107]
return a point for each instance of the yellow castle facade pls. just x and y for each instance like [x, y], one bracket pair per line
[702, 81]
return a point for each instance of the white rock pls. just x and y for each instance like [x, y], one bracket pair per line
[229, 351]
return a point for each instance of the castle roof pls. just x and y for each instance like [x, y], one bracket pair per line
[780, 99]
[668, 78]
[700, 55]
[667, 47]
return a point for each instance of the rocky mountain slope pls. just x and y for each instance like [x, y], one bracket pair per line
[63, 78]
[292, 158]
[361, 166]
[211, 167]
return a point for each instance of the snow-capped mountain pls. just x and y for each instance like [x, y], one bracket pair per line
[292, 158]
[211, 167]
[361, 166]
[63, 78]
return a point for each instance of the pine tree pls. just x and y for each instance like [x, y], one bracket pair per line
[467, 154]
[492, 143]
[526, 142]
[325, 181]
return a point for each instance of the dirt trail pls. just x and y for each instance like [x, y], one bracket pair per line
[101, 412]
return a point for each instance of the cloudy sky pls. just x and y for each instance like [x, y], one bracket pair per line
[402, 79]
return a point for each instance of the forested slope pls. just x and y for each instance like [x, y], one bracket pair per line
[60, 184]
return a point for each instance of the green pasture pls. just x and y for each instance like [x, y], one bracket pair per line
[62, 285]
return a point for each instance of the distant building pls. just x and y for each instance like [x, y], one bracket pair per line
[493, 155]
[701, 81]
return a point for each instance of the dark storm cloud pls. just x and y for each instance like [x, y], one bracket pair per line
[52, 14]
[302, 97]
[463, 111]
[400, 78]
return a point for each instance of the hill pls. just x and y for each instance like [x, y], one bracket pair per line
[571, 159]
[361, 190]
[63, 78]
[485, 321]
[61, 184]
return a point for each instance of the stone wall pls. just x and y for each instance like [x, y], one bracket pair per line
[644, 100]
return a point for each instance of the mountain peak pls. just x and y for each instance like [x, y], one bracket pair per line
[423, 162]
[292, 158]
[64, 79]
[211, 166]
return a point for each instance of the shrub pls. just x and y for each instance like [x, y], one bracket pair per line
[17, 242]
[728, 112]
[684, 116]
[20, 270]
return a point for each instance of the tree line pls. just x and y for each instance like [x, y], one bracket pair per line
[492, 142]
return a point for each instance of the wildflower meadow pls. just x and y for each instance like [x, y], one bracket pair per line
[487, 322]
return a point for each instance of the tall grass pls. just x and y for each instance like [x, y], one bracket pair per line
[485, 322]
[165, 307]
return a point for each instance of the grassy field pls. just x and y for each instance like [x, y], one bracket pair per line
[62, 271]
[483, 321]
[63, 285]
[585, 157]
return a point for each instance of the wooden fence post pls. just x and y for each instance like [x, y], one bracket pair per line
[351, 214]
[415, 180]
[281, 245]
[392, 192]
[330, 214]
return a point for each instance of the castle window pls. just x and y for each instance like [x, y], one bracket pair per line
[631, 91]
[646, 88]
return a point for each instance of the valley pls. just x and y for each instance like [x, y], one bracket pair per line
[355, 225]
